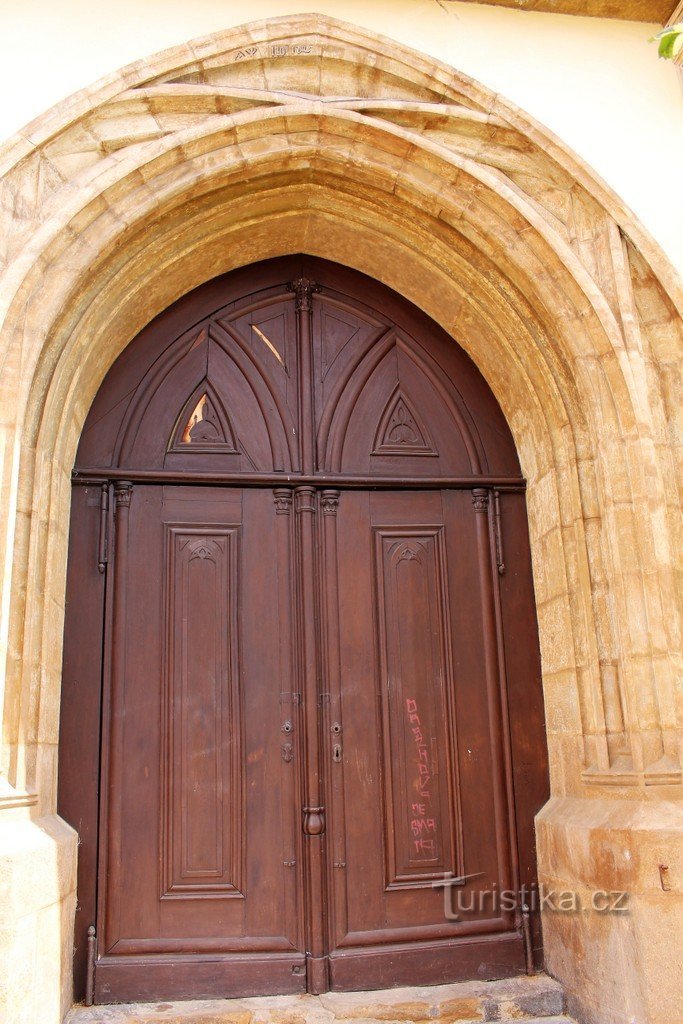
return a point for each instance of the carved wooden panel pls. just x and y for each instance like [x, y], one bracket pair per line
[344, 335]
[420, 805]
[268, 329]
[395, 405]
[263, 333]
[401, 430]
[339, 327]
[203, 833]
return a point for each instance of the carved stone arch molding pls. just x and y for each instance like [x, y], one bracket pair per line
[304, 134]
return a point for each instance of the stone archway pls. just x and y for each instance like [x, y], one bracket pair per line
[237, 148]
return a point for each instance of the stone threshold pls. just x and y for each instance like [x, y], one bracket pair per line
[536, 1000]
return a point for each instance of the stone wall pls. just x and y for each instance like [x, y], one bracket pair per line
[236, 148]
[595, 82]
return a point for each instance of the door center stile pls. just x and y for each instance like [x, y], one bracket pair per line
[313, 620]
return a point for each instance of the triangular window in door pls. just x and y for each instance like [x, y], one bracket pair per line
[203, 425]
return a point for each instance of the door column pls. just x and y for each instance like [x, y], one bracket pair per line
[303, 289]
[313, 812]
[116, 711]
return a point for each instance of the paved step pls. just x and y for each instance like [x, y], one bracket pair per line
[549, 1020]
[536, 1000]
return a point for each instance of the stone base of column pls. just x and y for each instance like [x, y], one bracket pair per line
[620, 959]
[38, 901]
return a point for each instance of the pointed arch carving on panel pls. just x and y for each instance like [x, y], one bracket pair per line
[448, 392]
[401, 430]
[188, 365]
[272, 332]
[337, 334]
[338, 414]
[261, 324]
[282, 433]
[204, 424]
[155, 377]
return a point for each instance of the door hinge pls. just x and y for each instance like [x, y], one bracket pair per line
[90, 968]
[103, 542]
[526, 938]
[498, 525]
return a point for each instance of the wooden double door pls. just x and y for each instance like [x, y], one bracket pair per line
[318, 695]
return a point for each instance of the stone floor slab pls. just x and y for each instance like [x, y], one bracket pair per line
[534, 1000]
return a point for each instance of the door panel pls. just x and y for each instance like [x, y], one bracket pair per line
[202, 816]
[203, 784]
[422, 823]
[417, 792]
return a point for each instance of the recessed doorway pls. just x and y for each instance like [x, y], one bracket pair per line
[301, 672]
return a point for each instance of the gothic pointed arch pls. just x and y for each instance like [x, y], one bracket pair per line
[388, 386]
[220, 388]
[402, 402]
[493, 227]
[219, 546]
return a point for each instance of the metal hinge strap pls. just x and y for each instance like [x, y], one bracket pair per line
[90, 969]
[103, 541]
[498, 524]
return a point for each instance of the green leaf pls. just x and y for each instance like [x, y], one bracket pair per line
[670, 41]
[666, 47]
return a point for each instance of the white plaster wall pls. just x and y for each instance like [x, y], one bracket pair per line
[597, 84]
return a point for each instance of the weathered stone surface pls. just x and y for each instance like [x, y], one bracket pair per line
[630, 10]
[167, 1013]
[513, 999]
[38, 900]
[537, 1004]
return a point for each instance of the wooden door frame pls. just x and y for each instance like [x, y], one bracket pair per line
[81, 720]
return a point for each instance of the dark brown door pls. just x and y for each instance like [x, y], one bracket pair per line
[314, 608]
[201, 816]
[418, 793]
